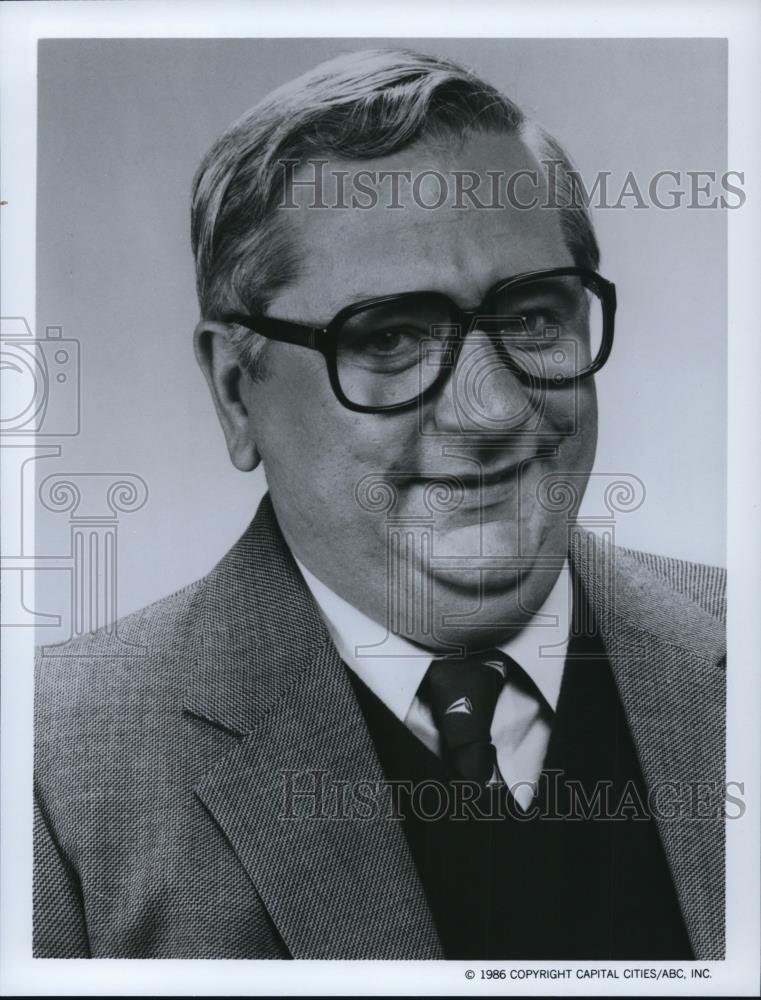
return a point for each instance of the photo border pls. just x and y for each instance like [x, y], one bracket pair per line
[21, 25]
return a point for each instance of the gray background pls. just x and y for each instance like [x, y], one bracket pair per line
[122, 126]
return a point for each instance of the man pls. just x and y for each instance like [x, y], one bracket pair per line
[416, 712]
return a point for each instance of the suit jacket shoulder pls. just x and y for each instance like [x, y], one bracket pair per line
[125, 641]
[95, 688]
[702, 583]
[674, 600]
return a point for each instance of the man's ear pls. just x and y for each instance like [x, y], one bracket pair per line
[228, 383]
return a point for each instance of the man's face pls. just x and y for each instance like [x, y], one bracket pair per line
[463, 570]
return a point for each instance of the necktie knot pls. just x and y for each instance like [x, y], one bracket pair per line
[463, 695]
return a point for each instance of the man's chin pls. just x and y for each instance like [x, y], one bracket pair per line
[495, 556]
[501, 541]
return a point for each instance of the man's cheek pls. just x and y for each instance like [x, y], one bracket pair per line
[571, 412]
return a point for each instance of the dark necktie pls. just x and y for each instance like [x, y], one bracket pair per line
[462, 695]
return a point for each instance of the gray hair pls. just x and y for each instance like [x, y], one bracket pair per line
[360, 105]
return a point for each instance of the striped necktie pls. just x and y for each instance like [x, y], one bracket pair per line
[462, 694]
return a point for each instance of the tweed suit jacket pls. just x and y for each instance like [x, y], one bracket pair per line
[161, 746]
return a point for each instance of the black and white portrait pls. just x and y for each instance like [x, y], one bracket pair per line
[379, 390]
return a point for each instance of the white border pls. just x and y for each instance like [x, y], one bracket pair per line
[21, 24]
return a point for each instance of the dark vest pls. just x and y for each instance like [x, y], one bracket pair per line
[582, 875]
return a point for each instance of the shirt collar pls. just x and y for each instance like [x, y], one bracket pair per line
[393, 667]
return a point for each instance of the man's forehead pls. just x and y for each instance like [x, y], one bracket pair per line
[432, 253]
[402, 239]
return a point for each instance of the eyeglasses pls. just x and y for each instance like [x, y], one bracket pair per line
[549, 328]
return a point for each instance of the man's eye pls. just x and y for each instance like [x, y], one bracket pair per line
[536, 320]
[384, 349]
[390, 341]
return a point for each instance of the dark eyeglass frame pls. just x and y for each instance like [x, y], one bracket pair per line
[325, 339]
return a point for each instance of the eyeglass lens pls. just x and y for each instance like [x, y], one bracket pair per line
[390, 353]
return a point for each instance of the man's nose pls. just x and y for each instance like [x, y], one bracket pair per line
[482, 394]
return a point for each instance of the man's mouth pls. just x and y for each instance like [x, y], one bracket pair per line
[490, 486]
[491, 477]
[486, 475]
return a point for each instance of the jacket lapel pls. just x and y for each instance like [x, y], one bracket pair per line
[667, 656]
[301, 795]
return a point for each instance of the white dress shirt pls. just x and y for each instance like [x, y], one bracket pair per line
[393, 668]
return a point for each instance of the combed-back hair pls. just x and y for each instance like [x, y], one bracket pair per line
[361, 105]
